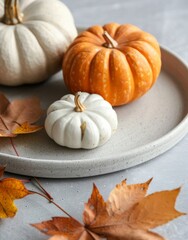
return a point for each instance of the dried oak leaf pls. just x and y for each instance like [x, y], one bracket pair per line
[10, 189]
[16, 114]
[128, 214]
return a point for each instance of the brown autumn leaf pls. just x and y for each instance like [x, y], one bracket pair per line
[65, 228]
[128, 214]
[10, 189]
[18, 112]
[2, 169]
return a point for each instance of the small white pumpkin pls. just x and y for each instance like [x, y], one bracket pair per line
[81, 121]
[33, 38]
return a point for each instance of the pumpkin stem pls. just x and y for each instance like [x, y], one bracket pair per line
[12, 14]
[79, 106]
[110, 42]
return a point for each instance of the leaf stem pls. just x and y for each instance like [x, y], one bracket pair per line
[44, 191]
[51, 201]
[4, 123]
[13, 146]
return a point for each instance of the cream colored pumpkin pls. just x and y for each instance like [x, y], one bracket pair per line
[81, 121]
[33, 39]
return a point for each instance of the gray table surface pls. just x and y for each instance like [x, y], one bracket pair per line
[168, 21]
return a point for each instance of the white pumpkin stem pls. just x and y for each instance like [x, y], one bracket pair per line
[79, 106]
[12, 15]
[110, 42]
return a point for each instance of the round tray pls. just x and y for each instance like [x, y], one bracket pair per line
[147, 127]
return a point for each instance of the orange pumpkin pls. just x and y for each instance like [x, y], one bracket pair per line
[119, 62]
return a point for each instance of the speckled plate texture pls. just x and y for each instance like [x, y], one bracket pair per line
[147, 128]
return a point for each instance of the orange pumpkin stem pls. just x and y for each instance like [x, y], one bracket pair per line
[110, 42]
[12, 15]
[79, 106]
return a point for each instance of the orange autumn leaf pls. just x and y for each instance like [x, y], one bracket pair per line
[15, 113]
[158, 212]
[26, 128]
[10, 189]
[129, 213]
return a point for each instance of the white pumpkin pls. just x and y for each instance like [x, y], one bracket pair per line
[33, 39]
[81, 121]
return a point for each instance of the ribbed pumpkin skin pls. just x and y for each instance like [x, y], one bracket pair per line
[121, 74]
[32, 51]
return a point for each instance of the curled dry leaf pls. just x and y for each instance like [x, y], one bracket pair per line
[127, 214]
[10, 189]
[18, 112]
[26, 128]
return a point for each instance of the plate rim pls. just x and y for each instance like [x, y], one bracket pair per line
[180, 130]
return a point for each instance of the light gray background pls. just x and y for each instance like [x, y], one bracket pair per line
[168, 21]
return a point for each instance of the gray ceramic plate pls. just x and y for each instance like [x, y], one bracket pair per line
[147, 128]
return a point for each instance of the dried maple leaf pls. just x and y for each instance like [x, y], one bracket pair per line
[18, 112]
[128, 214]
[65, 228]
[10, 189]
